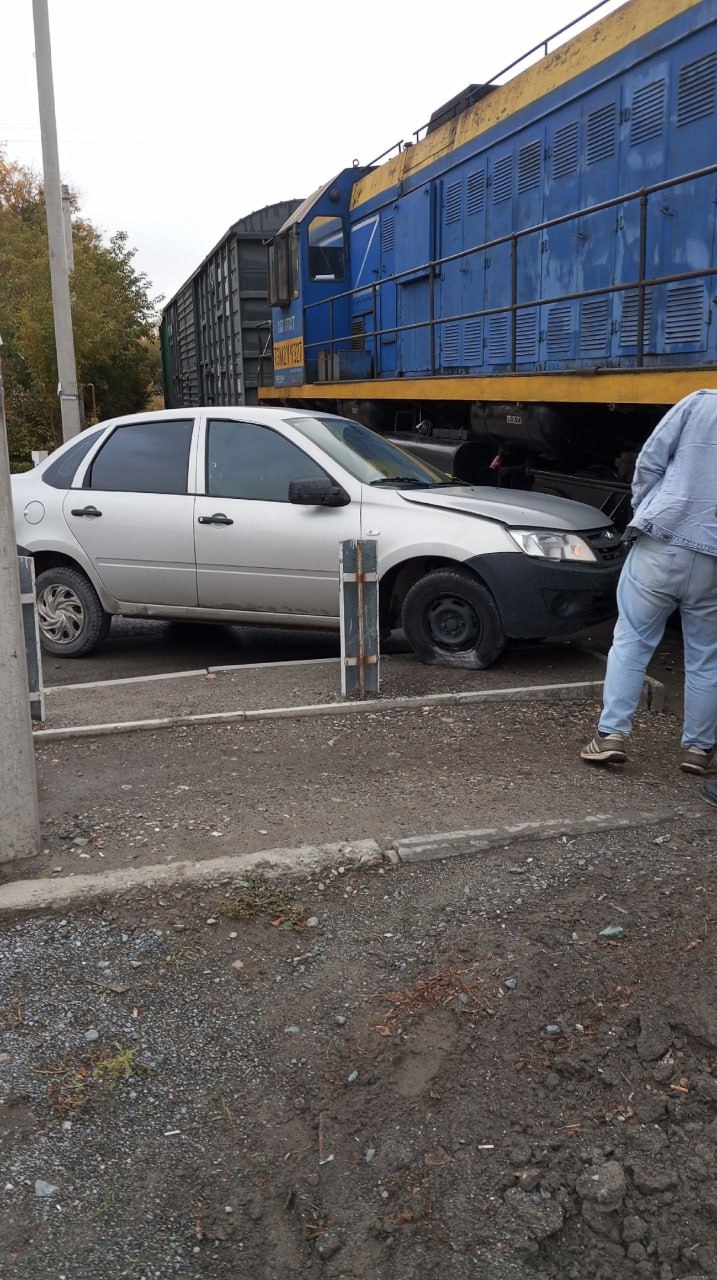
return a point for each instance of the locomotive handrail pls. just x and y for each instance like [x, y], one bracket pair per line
[639, 285]
[542, 44]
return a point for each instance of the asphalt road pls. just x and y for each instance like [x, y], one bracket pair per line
[138, 648]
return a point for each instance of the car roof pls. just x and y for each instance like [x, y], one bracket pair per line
[241, 413]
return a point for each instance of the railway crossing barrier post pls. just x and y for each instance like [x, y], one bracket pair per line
[358, 587]
[31, 630]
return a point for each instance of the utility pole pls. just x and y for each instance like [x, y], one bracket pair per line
[61, 309]
[19, 813]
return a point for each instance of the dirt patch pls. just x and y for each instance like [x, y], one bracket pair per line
[201, 792]
[501, 1067]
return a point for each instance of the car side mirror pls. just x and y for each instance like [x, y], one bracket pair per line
[317, 492]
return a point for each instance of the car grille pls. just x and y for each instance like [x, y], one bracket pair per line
[607, 545]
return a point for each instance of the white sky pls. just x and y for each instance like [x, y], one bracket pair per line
[174, 119]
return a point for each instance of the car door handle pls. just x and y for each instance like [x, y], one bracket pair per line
[86, 511]
[218, 518]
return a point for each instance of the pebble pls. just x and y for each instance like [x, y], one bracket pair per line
[312, 922]
[291, 1031]
[612, 931]
[92, 1034]
[45, 1189]
[511, 983]
[553, 1029]
[369, 1154]
[353, 1077]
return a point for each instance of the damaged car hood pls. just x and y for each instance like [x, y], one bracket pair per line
[516, 508]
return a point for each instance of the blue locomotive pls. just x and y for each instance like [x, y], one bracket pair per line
[522, 291]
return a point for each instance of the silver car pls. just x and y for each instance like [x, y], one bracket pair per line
[236, 515]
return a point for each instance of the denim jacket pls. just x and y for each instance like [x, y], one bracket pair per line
[674, 489]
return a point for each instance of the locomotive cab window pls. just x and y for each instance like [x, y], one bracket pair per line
[283, 268]
[327, 250]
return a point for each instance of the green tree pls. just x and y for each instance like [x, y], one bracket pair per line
[114, 320]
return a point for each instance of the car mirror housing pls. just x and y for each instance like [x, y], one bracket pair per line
[313, 492]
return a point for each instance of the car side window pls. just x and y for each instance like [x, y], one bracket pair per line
[144, 457]
[61, 472]
[246, 460]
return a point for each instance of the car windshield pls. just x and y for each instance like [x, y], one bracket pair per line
[367, 456]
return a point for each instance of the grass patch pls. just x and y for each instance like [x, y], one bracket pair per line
[76, 1082]
[264, 899]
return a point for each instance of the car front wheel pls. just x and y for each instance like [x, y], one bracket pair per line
[452, 620]
[70, 616]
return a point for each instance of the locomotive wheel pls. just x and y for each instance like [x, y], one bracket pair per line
[452, 620]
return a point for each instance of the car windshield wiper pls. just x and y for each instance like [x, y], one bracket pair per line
[403, 482]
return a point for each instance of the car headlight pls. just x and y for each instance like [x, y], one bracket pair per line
[552, 546]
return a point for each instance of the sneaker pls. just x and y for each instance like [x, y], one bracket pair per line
[696, 760]
[606, 748]
[709, 793]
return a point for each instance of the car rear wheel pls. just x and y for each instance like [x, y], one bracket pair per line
[451, 619]
[71, 619]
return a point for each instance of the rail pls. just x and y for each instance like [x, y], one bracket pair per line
[431, 270]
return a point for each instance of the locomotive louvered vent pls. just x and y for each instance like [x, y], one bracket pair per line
[473, 341]
[529, 166]
[593, 326]
[475, 192]
[498, 339]
[565, 150]
[503, 179]
[526, 335]
[648, 112]
[628, 321]
[451, 336]
[387, 235]
[696, 89]
[558, 333]
[684, 313]
[357, 333]
[601, 133]
[454, 202]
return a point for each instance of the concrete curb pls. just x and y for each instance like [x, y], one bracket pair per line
[69, 891]
[652, 699]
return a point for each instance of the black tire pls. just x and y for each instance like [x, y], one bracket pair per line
[71, 619]
[452, 620]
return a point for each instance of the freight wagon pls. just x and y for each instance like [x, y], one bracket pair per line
[212, 331]
[519, 294]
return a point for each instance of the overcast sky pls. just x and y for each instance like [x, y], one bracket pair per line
[175, 120]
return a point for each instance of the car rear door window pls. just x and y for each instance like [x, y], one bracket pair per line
[246, 460]
[144, 457]
[61, 472]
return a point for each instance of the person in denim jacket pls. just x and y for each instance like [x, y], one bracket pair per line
[672, 564]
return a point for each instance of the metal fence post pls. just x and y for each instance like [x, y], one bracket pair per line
[26, 572]
[358, 583]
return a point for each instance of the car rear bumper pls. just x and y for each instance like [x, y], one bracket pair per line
[548, 598]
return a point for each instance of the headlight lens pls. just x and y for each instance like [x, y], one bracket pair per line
[553, 546]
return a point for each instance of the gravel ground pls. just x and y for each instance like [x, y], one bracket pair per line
[497, 1066]
[501, 1067]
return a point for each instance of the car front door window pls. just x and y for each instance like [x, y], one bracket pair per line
[245, 460]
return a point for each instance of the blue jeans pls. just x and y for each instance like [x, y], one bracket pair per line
[657, 578]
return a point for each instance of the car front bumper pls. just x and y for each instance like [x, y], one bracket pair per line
[547, 597]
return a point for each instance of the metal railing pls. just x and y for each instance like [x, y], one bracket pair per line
[641, 284]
